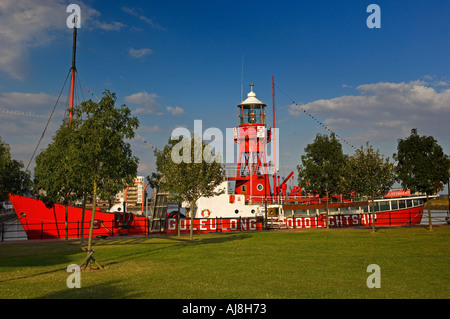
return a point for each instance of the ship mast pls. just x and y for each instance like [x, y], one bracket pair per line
[73, 69]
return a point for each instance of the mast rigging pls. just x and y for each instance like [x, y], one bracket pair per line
[73, 69]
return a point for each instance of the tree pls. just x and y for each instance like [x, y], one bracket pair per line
[106, 159]
[89, 157]
[422, 165]
[322, 166]
[189, 178]
[369, 174]
[56, 175]
[13, 179]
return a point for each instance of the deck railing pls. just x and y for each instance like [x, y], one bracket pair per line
[13, 231]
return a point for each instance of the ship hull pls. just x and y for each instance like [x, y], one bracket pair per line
[404, 217]
[411, 216]
[42, 220]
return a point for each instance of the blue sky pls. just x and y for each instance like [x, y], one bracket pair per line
[173, 62]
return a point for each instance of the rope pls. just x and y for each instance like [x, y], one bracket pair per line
[89, 90]
[48, 122]
[409, 221]
[142, 138]
[22, 113]
[317, 121]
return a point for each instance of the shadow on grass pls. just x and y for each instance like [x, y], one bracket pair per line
[107, 290]
[171, 244]
[199, 239]
[119, 289]
[37, 254]
[33, 275]
[59, 253]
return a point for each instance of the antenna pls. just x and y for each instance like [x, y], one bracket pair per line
[242, 79]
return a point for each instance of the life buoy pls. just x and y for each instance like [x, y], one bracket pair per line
[205, 213]
[97, 223]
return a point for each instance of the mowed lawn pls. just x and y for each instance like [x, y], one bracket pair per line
[317, 263]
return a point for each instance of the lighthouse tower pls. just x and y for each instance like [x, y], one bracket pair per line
[252, 137]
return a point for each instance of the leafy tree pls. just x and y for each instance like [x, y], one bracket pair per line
[106, 159]
[369, 174]
[188, 178]
[422, 165]
[12, 177]
[56, 177]
[89, 158]
[322, 166]
[61, 172]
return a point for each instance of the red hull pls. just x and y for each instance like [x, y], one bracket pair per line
[410, 216]
[43, 222]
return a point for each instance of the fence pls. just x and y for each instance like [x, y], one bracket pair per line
[12, 230]
[50, 230]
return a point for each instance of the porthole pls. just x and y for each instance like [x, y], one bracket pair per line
[236, 211]
[260, 187]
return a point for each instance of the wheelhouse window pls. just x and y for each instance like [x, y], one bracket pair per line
[394, 204]
[301, 213]
[383, 206]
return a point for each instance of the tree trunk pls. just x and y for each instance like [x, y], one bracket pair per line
[191, 231]
[178, 219]
[429, 215]
[373, 213]
[91, 227]
[327, 212]
[89, 258]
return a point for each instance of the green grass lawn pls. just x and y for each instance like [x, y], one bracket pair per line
[318, 263]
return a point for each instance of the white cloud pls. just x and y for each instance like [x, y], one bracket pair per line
[145, 103]
[141, 17]
[384, 111]
[176, 111]
[31, 102]
[23, 117]
[26, 24]
[139, 53]
[442, 83]
[149, 129]
[114, 26]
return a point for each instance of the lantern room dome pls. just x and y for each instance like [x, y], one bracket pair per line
[251, 98]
